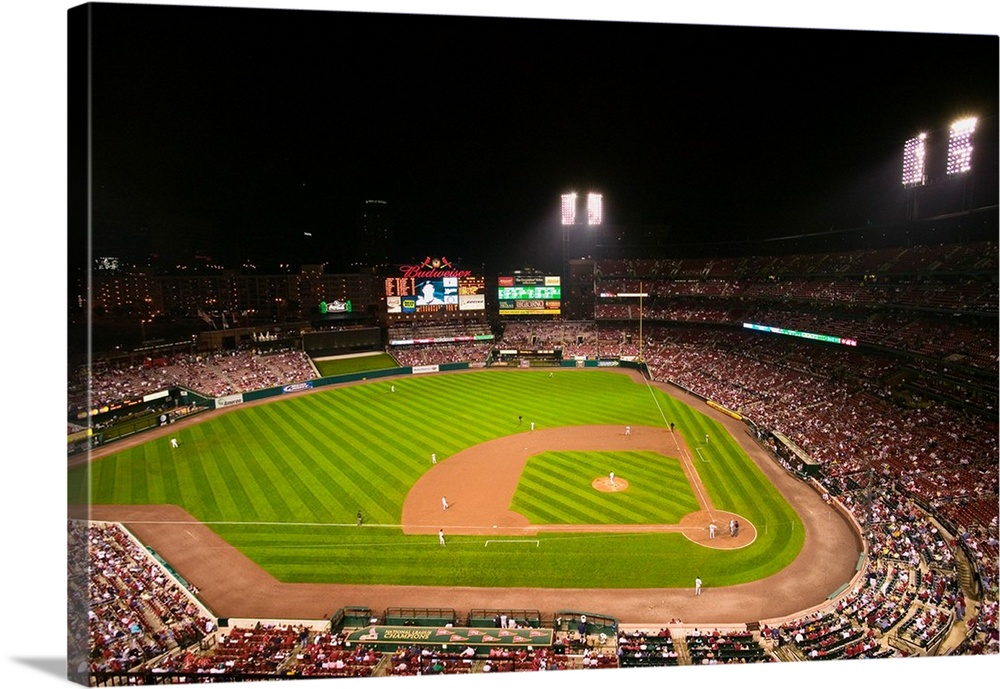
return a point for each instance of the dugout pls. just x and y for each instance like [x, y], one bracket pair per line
[795, 456]
[594, 622]
[350, 616]
[419, 616]
[389, 638]
[489, 618]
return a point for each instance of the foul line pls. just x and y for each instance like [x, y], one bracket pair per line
[703, 500]
[666, 424]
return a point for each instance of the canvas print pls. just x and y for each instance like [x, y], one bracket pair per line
[427, 344]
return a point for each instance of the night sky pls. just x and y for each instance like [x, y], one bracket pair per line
[232, 133]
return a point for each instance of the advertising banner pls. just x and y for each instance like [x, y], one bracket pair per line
[426, 369]
[229, 400]
[465, 636]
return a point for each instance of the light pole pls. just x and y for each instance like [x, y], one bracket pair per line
[568, 219]
[594, 216]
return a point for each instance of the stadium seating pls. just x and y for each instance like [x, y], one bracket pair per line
[904, 428]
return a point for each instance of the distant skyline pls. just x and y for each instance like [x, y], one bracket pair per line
[258, 133]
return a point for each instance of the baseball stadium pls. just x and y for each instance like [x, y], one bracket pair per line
[659, 452]
[780, 460]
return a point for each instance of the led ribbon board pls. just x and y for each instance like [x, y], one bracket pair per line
[799, 333]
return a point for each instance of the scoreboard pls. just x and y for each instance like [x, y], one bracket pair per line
[435, 295]
[529, 295]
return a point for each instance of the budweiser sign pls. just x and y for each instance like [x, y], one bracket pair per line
[434, 268]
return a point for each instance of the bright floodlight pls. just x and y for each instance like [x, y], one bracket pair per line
[568, 209]
[960, 146]
[914, 152]
[594, 209]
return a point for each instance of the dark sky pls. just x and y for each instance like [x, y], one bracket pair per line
[232, 132]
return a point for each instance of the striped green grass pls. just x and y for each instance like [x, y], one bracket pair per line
[556, 488]
[282, 482]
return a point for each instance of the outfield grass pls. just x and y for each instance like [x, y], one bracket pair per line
[282, 482]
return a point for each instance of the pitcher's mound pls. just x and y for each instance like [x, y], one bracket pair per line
[604, 485]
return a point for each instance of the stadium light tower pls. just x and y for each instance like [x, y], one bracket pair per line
[914, 157]
[960, 146]
[569, 219]
[595, 208]
[568, 209]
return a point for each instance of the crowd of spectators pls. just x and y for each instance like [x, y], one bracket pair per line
[733, 647]
[437, 354]
[910, 592]
[268, 650]
[212, 375]
[642, 648]
[452, 328]
[983, 631]
[828, 635]
[144, 621]
[964, 294]
[904, 299]
[141, 619]
[424, 660]
[971, 343]
[326, 654]
[421, 660]
[840, 405]
[138, 613]
[924, 260]
[575, 338]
